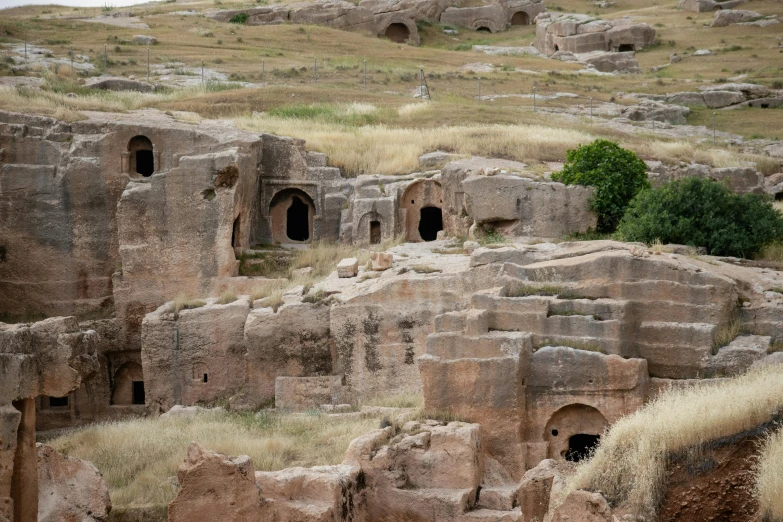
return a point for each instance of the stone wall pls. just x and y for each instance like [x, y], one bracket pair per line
[50, 358]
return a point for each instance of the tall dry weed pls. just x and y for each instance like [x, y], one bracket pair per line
[629, 466]
[769, 477]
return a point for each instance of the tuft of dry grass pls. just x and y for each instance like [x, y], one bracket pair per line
[403, 400]
[137, 457]
[772, 252]
[726, 333]
[629, 465]
[769, 477]
[227, 297]
[182, 302]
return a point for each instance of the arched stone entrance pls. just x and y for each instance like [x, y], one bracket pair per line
[291, 214]
[520, 18]
[573, 431]
[483, 29]
[128, 385]
[422, 204]
[397, 32]
[142, 159]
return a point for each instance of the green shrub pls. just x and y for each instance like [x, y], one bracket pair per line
[702, 212]
[616, 173]
[239, 18]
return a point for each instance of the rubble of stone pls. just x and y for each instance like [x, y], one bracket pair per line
[577, 33]
[114, 83]
[742, 180]
[50, 358]
[700, 6]
[724, 95]
[392, 19]
[70, 489]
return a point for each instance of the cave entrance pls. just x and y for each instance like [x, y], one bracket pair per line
[580, 446]
[58, 402]
[142, 160]
[138, 392]
[298, 220]
[375, 232]
[779, 196]
[624, 48]
[520, 18]
[397, 32]
[483, 29]
[235, 233]
[430, 223]
[128, 385]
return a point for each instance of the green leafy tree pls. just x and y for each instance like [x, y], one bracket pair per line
[705, 213]
[616, 173]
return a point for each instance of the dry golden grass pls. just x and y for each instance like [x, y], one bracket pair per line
[182, 302]
[403, 400]
[772, 252]
[727, 333]
[227, 297]
[137, 457]
[769, 478]
[629, 465]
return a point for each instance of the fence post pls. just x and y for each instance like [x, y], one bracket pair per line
[25, 46]
[104, 58]
[479, 88]
[315, 70]
[71, 52]
[202, 72]
[421, 83]
[263, 81]
[591, 109]
[534, 99]
[365, 75]
[148, 64]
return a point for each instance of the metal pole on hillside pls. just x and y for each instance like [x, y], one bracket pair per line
[479, 88]
[25, 46]
[105, 58]
[263, 74]
[202, 72]
[534, 99]
[71, 52]
[591, 109]
[315, 70]
[365, 75]
[148, 64]
[421, 83]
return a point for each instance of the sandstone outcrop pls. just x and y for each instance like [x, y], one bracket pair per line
[49, 358]
[70, 489]
[700, 6]
[724, 17]
[577, 33]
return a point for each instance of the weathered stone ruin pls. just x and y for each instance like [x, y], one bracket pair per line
[559, 343]
[537, 345]
[392, 19]
[700, 6]
[578, 34]
[40, 365]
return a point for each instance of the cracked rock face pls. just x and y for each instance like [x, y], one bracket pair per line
[70, 489]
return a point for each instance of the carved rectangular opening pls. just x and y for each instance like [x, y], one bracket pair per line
[138, 392]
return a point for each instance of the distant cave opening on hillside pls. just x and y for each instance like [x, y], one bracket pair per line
[580, 446]
[142, 160]
[430, 223]
[624, 48]
[779, 196]
[483, 29]
[298, 220]
[375, 232]
[397, 32]
[520, 18]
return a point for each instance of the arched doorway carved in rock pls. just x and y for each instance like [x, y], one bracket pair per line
[291, 214]
[520, 18]
[128, 385]
[573, 431]
[397, 32]
[142, 159]
[422, 203]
